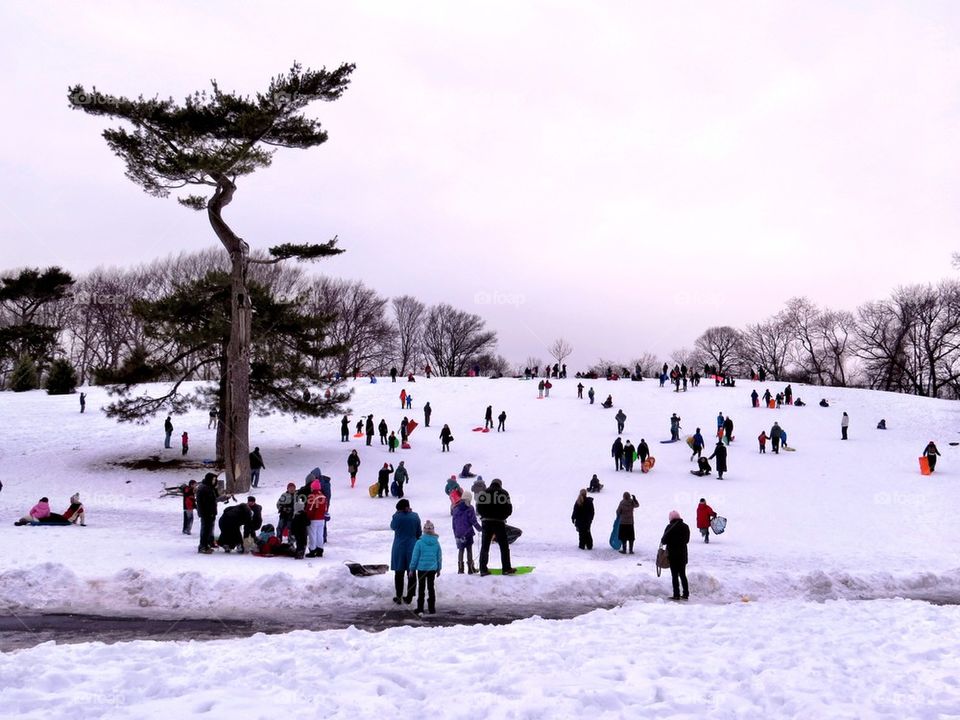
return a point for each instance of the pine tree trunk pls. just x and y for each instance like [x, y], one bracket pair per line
[222, 413]
[235, 402]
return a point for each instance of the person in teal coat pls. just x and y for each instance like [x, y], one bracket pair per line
[406, 530]
[427, 561]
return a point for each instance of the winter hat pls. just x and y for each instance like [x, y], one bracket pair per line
[674, 515]
[703, 500]
[403, 504]
[75, 498]
[467, 497]
[315, 485]
[428, 528]
[479, 478]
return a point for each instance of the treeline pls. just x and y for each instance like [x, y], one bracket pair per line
[157, 320]
[908, 343]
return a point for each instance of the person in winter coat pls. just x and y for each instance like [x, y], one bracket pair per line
[232, 520]
[316, 510]
[931, 453]
[582, 518]
[392, 442]
[383, 480]
[705, 514]
[788, 395]
[728, 429]
[406, 531]
[540, 389]
[400, 476]
[882, 425]
[479, 486]
[776, 435]
[844, 424]
[446, 437]
[720, 419]
[353, 465]
[674, 427]
[465, 523]
[427, 562]
[608, 403]
[755, 399]
[628, 454]
[256, 465]
[595, 485]
[494, 507]
[703, 467]
[466, 471]
[488, 418]
[403, 399]
[617, 452]
[824, 403]
[720, 453]
[83, 402]
[676, 536]
[643, 451]
[621, 419]
[698, 444]
[453, 486]
[382, 429]
[762, 439]
[766, 397]
[579, 391]
[286, 509]
[168, 432]
[591, 395]
[38, 512]
[625, 514]
[410, 399]
[207, 511]
[369, 429]
[256, 518]
[184, 443]
[345, 429]
[502, 421]
[393, 374]
[427, 410]
[74, 513]
[189, 504]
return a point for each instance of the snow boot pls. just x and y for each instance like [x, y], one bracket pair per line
[460, 568]
[471, 569]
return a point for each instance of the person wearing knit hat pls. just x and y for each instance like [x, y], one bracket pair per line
[676, 536]
[465, 525]
[427, 561]
[75, 513]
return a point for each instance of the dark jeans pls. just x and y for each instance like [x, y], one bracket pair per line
[501, 426]
[586, 539]
[491, 528]
[617, 462]
[425, 578]
[678, 573]
[187, 521]
[383, 489]
[444, 447]
[398, 577]
[206, 531]
[255, 478]
[843, 430]
[166, 440]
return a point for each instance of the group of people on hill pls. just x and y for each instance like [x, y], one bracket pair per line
[416, 557]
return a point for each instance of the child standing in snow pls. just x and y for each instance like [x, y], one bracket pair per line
[762, 438]
[427, 561]
[184, 443]
[705, 514]
[465, 525]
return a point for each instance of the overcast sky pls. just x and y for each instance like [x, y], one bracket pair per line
[624, 174]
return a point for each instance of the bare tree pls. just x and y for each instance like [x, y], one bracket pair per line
[803, 321]
[722, 346]
[453, 338]
[648, 363]
[360, 326]
[560, 350]
[408, 317]
[836, 329]
[882, 335]
[768, 345]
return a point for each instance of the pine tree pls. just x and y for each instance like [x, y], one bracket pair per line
[210, 141]
[24, 375]
[61, 378]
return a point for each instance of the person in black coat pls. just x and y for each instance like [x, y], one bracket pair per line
[345, 430]
[728, 429]
[931, 453]
[427, 410]
[720, 453]
[256, 518]
[502, 421]
[494, 507]
[582, 518]
[231, 521]
[676, 536]
[445, 438]
[488, 418]
[256, 465]
[382, 427]
[207, 511]
[643, 451]
[383, 480]
[617, 452]
[369, 429]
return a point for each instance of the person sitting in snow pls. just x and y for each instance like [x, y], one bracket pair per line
[882, 425]
[37, 513]
[595, 485]
[466, 472]
[74, 514]
[703, 467]
[824, 403]
[608, 403]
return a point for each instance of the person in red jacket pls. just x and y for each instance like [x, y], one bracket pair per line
[316, 510]
[705, 514]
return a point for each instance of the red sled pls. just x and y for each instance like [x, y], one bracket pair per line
[359, 434]
[648, 464]
[405, 446]
[925, 465]
[411, 426]
[772, 404]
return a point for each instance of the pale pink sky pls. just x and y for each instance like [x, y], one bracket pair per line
[624, 174]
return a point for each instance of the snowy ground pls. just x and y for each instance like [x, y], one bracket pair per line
[835, 520]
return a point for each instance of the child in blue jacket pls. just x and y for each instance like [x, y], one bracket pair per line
[427, 561]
